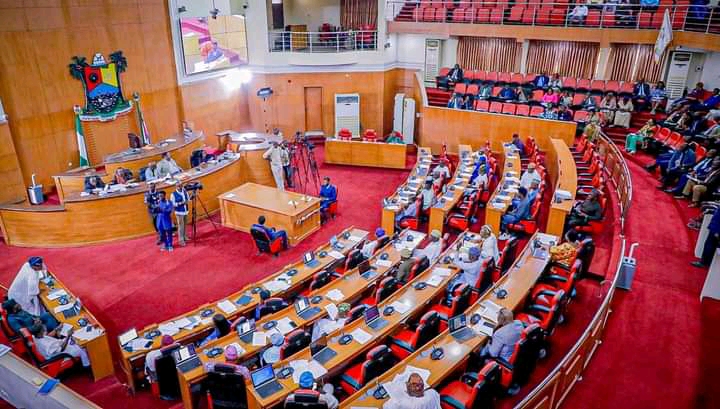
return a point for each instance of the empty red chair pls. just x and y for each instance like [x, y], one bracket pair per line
[460, 88]
[516, 14]
[608, 19]
[472, 89]
[583, 84]
[529, 78]
[440, 14]
[377, 361]
[517, 79]
[544, 314]
[482, 16]
[528, 15]
[370, 135]
[295, 341]
[522, 110]
[543, 16]
[627, 87]
[449, 4]
[536, 111]
[597, 85]
[644, 19]
[658, 18]
[496, 107]
[569, 82]
[345, 134]
[428, 14]
[496, 91]
[386, 287]
[581, 116]
[593, 18]
[455, 301]
[537, 95]
[480, 75]
[504, 77]
[492, 76]
[508, 108]
[556, 280]
[496, 15]
[578, 99]
[678, 19]
[53, 366]
[408, 340]
[473, 390]
[557, 17]
[612, 86]
[458, 16]
[482, 105]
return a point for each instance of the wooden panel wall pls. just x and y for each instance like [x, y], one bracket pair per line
[12, 186]
[213, 108]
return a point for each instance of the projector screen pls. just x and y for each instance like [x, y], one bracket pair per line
[213, 43]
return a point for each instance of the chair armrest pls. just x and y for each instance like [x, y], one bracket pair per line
[58, 357]
[538, 307]
[469, 378]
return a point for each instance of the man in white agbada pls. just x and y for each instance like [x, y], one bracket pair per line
[368, 249]
[26, 286]
[415, 396]
[50, 346]
[433, 249]
[529, 176]
[275, 155]
[489, 247]
[470, 267]
[327, 325]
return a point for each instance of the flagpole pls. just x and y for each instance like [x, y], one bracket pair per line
[82, 148]
[144, 133]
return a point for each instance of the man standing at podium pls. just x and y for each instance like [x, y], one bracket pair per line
[275, 156]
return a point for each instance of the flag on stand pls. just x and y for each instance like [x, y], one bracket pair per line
[144, 133]
[82, 149]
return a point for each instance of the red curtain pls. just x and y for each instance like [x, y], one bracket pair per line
[631, 62]
[567, 58]
[489, 54]
[357, 13]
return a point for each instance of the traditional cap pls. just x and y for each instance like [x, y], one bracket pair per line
[474, 252]
[405, 253]
[277, 339]
[35, 261]
[231, 353]
[379, 232]
[435, 233]
[306, 380]
[167, 340]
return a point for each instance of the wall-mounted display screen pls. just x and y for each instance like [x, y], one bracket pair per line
[213, 43]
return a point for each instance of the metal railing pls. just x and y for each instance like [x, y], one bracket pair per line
[322, 41]
[685, 17]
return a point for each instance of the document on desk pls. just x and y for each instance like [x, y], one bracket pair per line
[335, 295]
[168, 328]
[503, 197]
[227, 307]
[355, 238]
[140, 344]
[65, 329]
[442, 271]
[383, 263]
[435, 280]
[284, 325]
[85, 335]
[361, 336]
[400, 307]
[336, 255]
[332, 311]
[182, 322]
[498, 205]
[276, 285]
[490, 310]
[301, 365]
[56, 293]
[392, 208]
[61, 308]
[259, 339]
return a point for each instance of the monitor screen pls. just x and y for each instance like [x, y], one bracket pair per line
[371, 313]
[128, 336]
[318, 345]
[301, 304]
[457, 322]
[213, 42]
[184, 353]
[246, 326]
[309, 256]
[262, 375]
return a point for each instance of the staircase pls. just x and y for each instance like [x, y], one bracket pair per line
[617, 135]
[438, 97]
[406, 12]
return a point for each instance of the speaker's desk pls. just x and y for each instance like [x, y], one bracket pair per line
[501, 199]
[362, 153]
[297, 214]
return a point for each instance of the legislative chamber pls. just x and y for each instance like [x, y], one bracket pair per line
[359, 204]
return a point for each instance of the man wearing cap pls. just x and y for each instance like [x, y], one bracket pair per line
[272, 354]
[327, 325]
[153, 355]
[307, 381]
[529, 176]
[49, 346]
[470, 268]
[406, 263]
[369, 248]
[414, 396]
[432, 250]
[26, 286]
[18, 318]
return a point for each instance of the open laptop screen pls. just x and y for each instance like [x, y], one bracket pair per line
[262, 375]
[457, 322]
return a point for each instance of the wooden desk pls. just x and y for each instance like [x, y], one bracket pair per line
[98, 349]
[416, 302]
[411, 187]
[459, 181]
[181, 148]
[18, 389]
[133, 362]
[351, 285]
[83, 220]
[241, 207]
[361, 153]
[566, 175]
[511, 165]
[518, 282]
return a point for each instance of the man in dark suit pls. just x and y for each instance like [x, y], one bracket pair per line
[641, 95]
[456, 74]
[541, 81]
[271, 232]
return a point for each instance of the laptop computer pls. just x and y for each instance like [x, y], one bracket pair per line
[310, 260]
[373, 319]
[335, 243]
[75, 310]
[186, 358]
[264, 381]
[245, 331]
[365, 270]
[459, 329]
[303, 308]
[320, 351]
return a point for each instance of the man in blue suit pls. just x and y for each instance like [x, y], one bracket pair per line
[519, 212]
[681, 161]
[699, 171]
[271, 232]
[328, 195]
[542, 81]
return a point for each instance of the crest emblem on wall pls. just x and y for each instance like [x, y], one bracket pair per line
[103, 91]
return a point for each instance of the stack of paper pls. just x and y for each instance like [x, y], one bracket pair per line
[84, 335]
[355, 238]
[276, 286]
[401, 307]
[361, 336]
[259, 339]
[332, 311]
[490, 310]
[435, 280]
[284, 325]
[168, 328]
[227, 307]
[336, 255]
[65, 329]
[442, 271]
[138, 344]
[56, 293]
[61, 308]
[335, 295]
[383, 263]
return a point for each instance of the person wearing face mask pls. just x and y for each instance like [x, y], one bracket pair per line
[25, 288]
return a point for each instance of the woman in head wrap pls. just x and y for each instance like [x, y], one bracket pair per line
[153, 355]
[327, 325]
[272, 354]
[489, 247]
[26, 286]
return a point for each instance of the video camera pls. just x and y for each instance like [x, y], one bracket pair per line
[194, 186]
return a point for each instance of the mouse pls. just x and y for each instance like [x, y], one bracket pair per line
[322, 254]
[410, 237]
[384, 256]
[208, 312]
[346, 235]
[316, 299]
[345, 339]
[255, 290]
[269, 325]
[388, 310]
[502, 293]
[83, 322]
[420, 285]
[291, 272]
[474, 319]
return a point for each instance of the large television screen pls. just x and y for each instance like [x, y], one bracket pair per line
[213, 43]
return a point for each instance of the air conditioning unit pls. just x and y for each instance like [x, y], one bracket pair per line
[404, 117]
[432, 60]
[347, 113]
[677, 74]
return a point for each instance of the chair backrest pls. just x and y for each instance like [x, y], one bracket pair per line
[482, 105]
[461, 297]
[270, 306]
[355, 313]
[444, 71]
[496, 107]
[226, 387]
[523, 110]
[536, 111]
[427, 329]
[382, 242]
[386, 287]
[166, 372]
[294, 342]
[353, 258]
[485, 389]
[508, 108]
[507, 255]
[262, 241]
[320, 279]
[378, 361]
[305, 399]
[420, 265]
[9, 333]
[31, 347]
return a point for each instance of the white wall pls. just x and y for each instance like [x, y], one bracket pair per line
[312, 13]
[711, 71]
[411, 50]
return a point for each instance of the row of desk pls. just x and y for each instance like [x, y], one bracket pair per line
[363, 153]
[244, 302]
[456, 188]
[348, 288]
[501, 199]
[561, 165]
[412, 186]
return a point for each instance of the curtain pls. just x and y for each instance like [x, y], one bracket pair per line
[357, 13]
[489, 54]
[567, 58]
[631, 62]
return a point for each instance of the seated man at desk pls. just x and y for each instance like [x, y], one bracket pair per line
[442, 167]
[19, 318]
[586, 211]
[271, 232]
[50, 346]
[394, 137]
[151, 172]
[326, 397]
[470, 267]
[407, 211]
[122, 176]
[328, 194]
[407, 261]
[518, 144]
[221, 328]
[518, 212]
[153, 355]
[433, 249]
[368, 249]
[326, 325]
[415, 396]
[529, 176]
[167, 166]
[506, 335]
[92, 183]
[25, 288]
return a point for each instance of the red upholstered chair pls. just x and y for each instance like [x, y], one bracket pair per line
[612, 86]
[473, 390]
[460, 88]
[54, 366]
[270, 306]
[537, 95]
[319, 280]
[528, 15]
[345, 134]
[516, 14]
[593, 18]
[413, 222]
[355, 313]
[578, 99]
[455, 302]
[15, 339]
[543, 16]
[294, 342]
[522, 110]
[508, 108]
[406, 341]
[536, 111]
[496, 91]
[472, 90]
[504, 77]
[496, 15]
[516, 370]
[597, 85]
[428, 14]
[529, 78]
[557, 279]
[517, 79]
[483, 15]
[581, 116]
[627, 87]
[304, 399]
[420, 265]
[505, 259]
[385, 289]
[461, 220]
[442, 75]
[377, 361]
[545, 314]
[352, 260]
[583, 84]
[263, 244]
[492, 76]
[527, 226]
[482, 105]
[496, 107]
[370, 135]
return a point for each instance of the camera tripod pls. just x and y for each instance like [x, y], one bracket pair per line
[195, 199]
[305, 173]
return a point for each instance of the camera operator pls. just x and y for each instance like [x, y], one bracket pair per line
[180, 201]
[152, 200]
[286, 162]
[275, 155]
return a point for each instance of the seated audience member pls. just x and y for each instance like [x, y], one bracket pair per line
[589, 103]
[456, 102]
[518, 144]
[565, 252]
[566, 99]
[153, 355]
[521, 95]
[533, 191]
[415, 396]
[433, 249]
[406, 264]
[442, 167]
[680, 162]
[550, 99]
[649, 5]
[25, 288]
[549, 113]
[506, 335]
[369, 248]
[608, 105]
[691, 99]
[456, 74]
[271, 232]
[163, 221]
[680, 118]
[134, 141]
[555, 83]
[151, 172]
[530, 176]
[428, 196]
[577, 14]
[700, 187]
[93, 183]
[407, 211]
[658, 95]
[592, 127]
[167, 166]
[516, 213]
[624, 112]
[471, 267]
[394, 137]
[307, 382]
[325, 326]
[711, 242]
[489, 247]
[480, 180]
[506, 93]
[641, 94]
[272, 353]
[563, 114]
[221, 328]
[597, 117]
[122, 176]
[711, 103]
[585, 211]
[485, 91]
[541, 81]
[18, 318]
[712, 133]
[642, 135]
[328, 194]
[49, 346]
[697, 173]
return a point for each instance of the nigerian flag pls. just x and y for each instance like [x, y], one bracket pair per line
[81, 141]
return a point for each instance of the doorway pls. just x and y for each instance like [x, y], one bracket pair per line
[313, 109]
